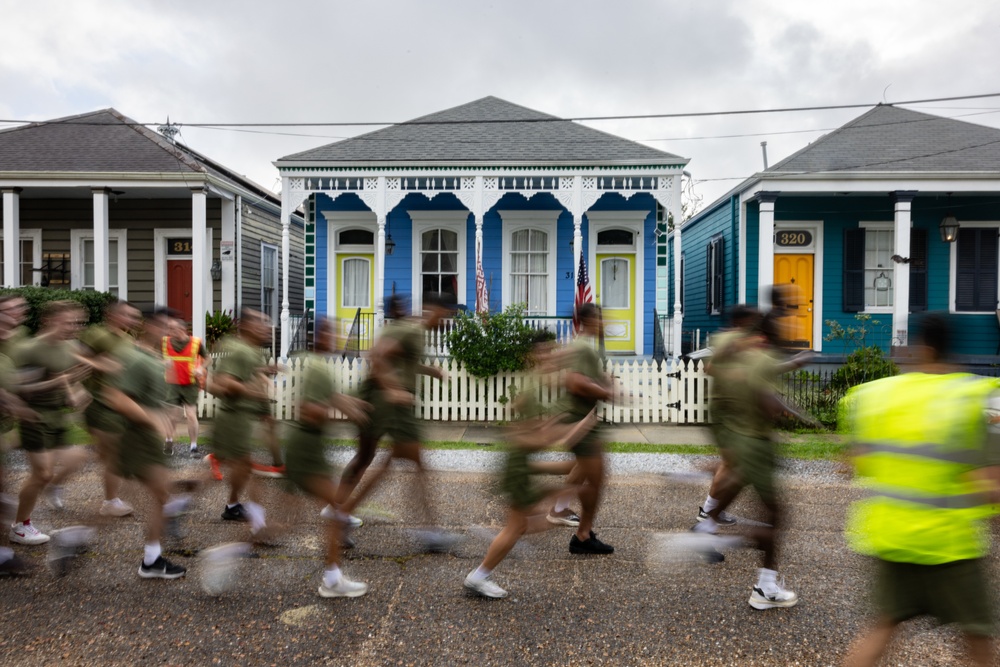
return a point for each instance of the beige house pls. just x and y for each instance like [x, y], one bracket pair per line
[98, 201]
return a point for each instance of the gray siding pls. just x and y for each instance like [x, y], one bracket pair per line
[261, 226]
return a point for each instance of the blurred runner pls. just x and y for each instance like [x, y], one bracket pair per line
[927, 450]
[307, 467]
[239, 382]
[49, 375]
[186, 362]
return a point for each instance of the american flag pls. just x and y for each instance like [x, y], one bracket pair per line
[583, 293]
[482, 295]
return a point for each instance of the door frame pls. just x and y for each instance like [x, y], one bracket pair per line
[816, 250]
[160, 236]
[336, 222]
[632, 220]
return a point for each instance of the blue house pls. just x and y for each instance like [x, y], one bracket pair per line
[413, 208]
[895, 213]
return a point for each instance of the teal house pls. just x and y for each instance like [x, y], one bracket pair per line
[893, 214]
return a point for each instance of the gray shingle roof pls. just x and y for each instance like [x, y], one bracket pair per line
[466, 134]
[891, 139]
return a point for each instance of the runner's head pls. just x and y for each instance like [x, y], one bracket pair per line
[437, 306]
[934, 336]
[326, 335]
[253, 326]
[122, 315]
[62, 319]
[589, 315]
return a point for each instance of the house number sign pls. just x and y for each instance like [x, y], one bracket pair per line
[178, 246]
[793, 238]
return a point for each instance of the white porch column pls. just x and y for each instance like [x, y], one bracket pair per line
[199, 225]
[101, 278]
[577, 227]
[379, 271]
[227, 255]
[902, 203]
[677, 213]
[12, 236]
[286, 221]
[765, 249]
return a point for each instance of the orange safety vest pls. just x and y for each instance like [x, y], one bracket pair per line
[184, 362]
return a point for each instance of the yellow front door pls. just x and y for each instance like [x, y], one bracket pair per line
[797, 271]
[356, 289]
[616, 296]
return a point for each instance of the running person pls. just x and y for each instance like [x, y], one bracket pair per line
[307, 467]
[186, 361]
[237, 380]
[50, 362]
[103, 345]
[391, 390]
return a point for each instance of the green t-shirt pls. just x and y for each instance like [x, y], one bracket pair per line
[101, 340]
[43, 360]
[409, 334]
[141, 380]
[244, 363]
[582, 359]
[742, 385]
[317, 385]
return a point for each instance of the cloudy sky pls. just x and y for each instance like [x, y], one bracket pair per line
[223, 61]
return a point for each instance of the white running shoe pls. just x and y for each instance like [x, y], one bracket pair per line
[485, 587]
[769, 597]
[330, 514]
[219, 566]
[345, 588]
[53, 497]
[27, 534]
[115, 507]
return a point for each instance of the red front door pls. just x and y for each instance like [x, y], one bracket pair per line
[179, 286]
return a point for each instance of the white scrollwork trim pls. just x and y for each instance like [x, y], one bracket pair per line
[468, 183]
[590, 197]
[566, 183]
[490, 199]
[371, 184]
[564, 197]
[370, 198]
[590, 183]
[392, 199]
[296, 184]
[468, 198]
[491, 183]
[392, 184]
[295, 198]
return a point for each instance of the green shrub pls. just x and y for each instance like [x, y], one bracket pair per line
[93, 302]
[218, 325]
[863, 365]
[486, 345]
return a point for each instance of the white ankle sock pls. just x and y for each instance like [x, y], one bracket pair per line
[152, 552]
[710, 504]
[767, 578]
[176, 505]
[480, 573]
[194, 445]
[331, 576]
[562, 502]
[256, 515]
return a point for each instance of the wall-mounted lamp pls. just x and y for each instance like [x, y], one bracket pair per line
[216, 270]
[390, 245]
[949, 225]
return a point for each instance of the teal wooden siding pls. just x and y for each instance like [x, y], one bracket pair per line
[717, 221]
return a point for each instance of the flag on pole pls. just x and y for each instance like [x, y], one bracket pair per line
[482, 295]
[583, 293]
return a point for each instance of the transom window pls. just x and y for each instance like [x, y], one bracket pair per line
[356, 237]
[529, 270]
[615, 237]
[439, 261]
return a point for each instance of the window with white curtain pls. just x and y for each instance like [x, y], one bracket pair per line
[879, 291]
[356, 283]
[439, 261]
[87, 252]
[529, 270]
[268, 280]
[614, 283]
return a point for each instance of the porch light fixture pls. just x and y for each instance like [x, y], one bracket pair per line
[949, 226]
[882, 282]
[390, 245]
[216, 270]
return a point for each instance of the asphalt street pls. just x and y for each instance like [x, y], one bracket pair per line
[562, 610]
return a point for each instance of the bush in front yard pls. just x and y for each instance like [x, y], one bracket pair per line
[486, 345]
[93, 302]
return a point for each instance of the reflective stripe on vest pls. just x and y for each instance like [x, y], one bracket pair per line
[920, 435]
[184, 361]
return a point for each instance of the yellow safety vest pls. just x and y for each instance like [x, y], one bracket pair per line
[918, 436]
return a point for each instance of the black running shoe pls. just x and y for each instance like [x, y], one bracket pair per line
[161, 569]
[234, 513]
[591, 545]
[14, 566]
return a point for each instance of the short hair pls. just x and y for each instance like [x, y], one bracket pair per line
[588, 311]
[440, 300]
[55, 308]
[934, 331]
[112, 306]
[396, 306]
[167, 311]
[742, 315]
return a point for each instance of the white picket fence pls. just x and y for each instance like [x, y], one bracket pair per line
[643, 393]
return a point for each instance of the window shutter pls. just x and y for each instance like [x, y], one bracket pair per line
[708, 278]
[987, 281]
[918, 270]
[720, 274]
[854, 270]
[976, 270]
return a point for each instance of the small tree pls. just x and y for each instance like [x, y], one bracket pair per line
[486, 345]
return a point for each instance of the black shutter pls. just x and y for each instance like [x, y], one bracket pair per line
[918, 270]
[854, 270]
[976, 270]
[708, 278]
[720, 275]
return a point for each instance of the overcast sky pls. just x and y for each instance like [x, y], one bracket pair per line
[255, 61]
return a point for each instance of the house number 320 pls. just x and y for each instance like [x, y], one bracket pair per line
[793, 238]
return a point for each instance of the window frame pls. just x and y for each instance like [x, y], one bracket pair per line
[425, 221]
[341, 261]
[76, 258]
[275, 307]
[628, 274]
[881, 226]
[953, 268]
[543, 221]
[716, 258]
[35, 236]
